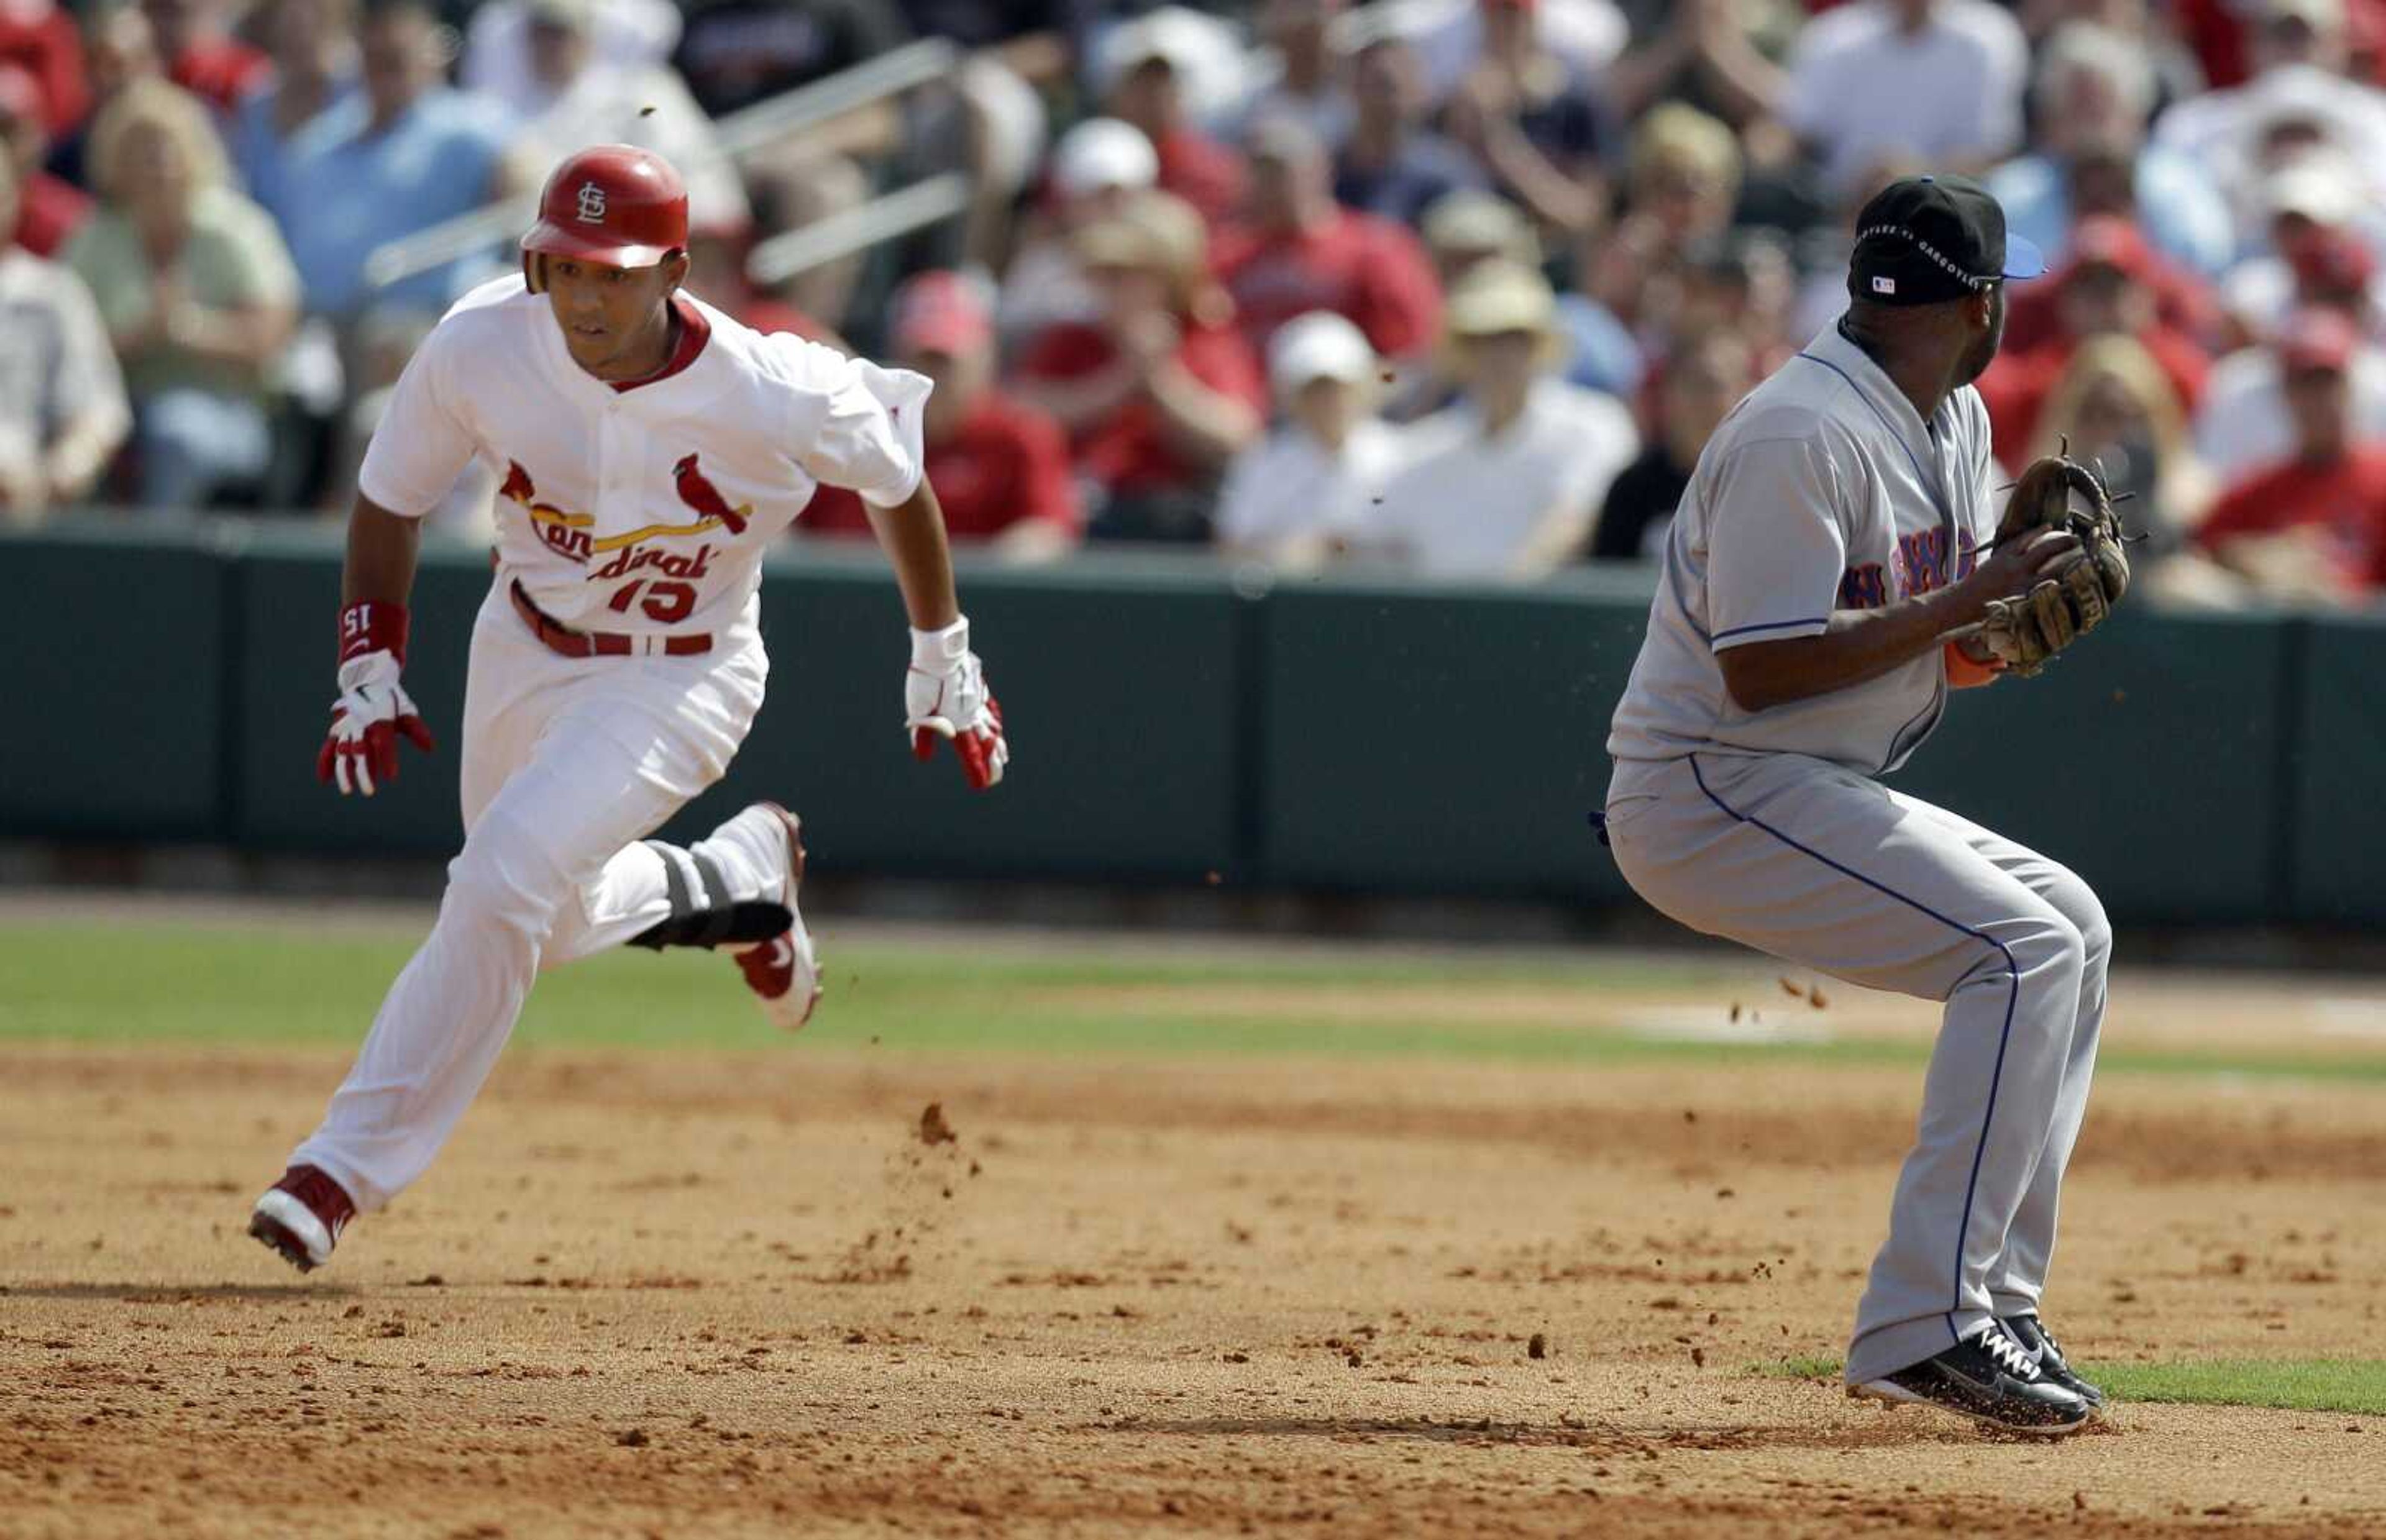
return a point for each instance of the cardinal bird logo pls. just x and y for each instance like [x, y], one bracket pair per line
[518, 487]
[705, 498]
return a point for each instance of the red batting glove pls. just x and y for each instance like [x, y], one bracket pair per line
[374, 711]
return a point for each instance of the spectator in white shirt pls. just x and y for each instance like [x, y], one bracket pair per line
[2298, 101]
[1505, 483]
[628, 34]
[1306, 489]
[1941, 81]
[578, 98]
[63, 413]
[2244, 422]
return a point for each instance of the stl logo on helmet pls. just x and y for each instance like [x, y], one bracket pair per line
[592, 204]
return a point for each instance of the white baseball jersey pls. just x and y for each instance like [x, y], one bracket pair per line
[1824, 490]
[644, 509]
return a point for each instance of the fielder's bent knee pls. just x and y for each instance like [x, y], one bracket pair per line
[497, 884]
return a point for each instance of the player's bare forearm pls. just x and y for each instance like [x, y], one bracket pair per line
[913, 535]
[1857, 645]
[1860, 644]
[383, 549]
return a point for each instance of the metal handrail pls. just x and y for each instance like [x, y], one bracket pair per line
[738, 134]
[857, 229]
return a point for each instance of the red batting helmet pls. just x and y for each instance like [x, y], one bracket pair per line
[613, 204]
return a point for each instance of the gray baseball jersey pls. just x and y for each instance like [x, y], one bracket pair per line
[1825, 491]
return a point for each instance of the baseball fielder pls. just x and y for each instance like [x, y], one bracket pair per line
[1828, 581]
[652, 448]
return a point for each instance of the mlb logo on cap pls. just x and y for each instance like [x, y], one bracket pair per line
[1884, 285]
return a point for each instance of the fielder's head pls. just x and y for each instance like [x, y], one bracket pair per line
[609, 247]
[1931, 261]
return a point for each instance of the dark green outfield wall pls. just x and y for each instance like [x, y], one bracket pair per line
[1327, 736]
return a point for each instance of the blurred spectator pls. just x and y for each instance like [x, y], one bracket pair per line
[1313, 483]
[1704, 379]
[1001, 468]
[1469, 228]
[1532, 121]
[2095, 94]
[1097, 169]
[2105, 289]
[736, 53]
[1683, 174]
[1505, 483]
[1301, 251]
[2113, 406]
[197, 291]
[1452, 36]
[1940, 80]
[313, 46]
[1718, 55]
[577, 99]
[47, 210]
[1390, 164]
[1464, 231]
[62, 408]
[1310, 85]
[1633, 277]
[2317, 254]
[716, 274]
[2311, 527]
[121, 47]
[2297, 101]
[1161, 391]
[382, 344]
[1140, 75]
[2246, 421]
[403, 154]
[500, 54]
[201, 54]
[40, 37]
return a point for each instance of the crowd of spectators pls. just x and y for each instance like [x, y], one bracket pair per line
[1459, 286]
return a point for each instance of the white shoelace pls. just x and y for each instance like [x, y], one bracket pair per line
[2008, 1354]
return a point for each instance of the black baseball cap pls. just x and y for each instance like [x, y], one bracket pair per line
[1927, 240]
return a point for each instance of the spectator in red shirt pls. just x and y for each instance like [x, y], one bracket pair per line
[39, 37]
[2103, 289]
[1142, 73]
[1160, 393]
[1000, 468]
[48, 210]
[2311, 527]
[1301, 251]
[202, 57]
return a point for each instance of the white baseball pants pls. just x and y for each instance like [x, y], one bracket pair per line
[1823, 867]
[567, 764]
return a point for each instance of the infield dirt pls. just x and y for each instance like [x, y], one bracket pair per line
[654, 1293]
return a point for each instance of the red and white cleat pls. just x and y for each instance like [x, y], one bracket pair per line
[783, 972]
[301, 1217]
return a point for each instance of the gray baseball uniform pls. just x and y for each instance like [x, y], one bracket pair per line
[1825, 490]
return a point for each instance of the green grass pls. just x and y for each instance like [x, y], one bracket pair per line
[193, 981]
[2287, 1385]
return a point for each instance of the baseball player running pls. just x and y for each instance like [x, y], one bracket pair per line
[1831, 575]
[652, 448]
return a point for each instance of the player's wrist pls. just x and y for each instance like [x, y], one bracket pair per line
[370, 626]
[936, 651]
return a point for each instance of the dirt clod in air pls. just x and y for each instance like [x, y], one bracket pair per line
[934, 1130]
[1538, 1348]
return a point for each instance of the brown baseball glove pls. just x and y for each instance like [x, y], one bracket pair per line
[2058, 492]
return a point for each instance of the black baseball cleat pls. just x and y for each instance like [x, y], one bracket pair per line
[2040, 1344]
[1991, 1378]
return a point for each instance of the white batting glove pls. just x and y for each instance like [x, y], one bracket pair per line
[371, 715]
[944, 696]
